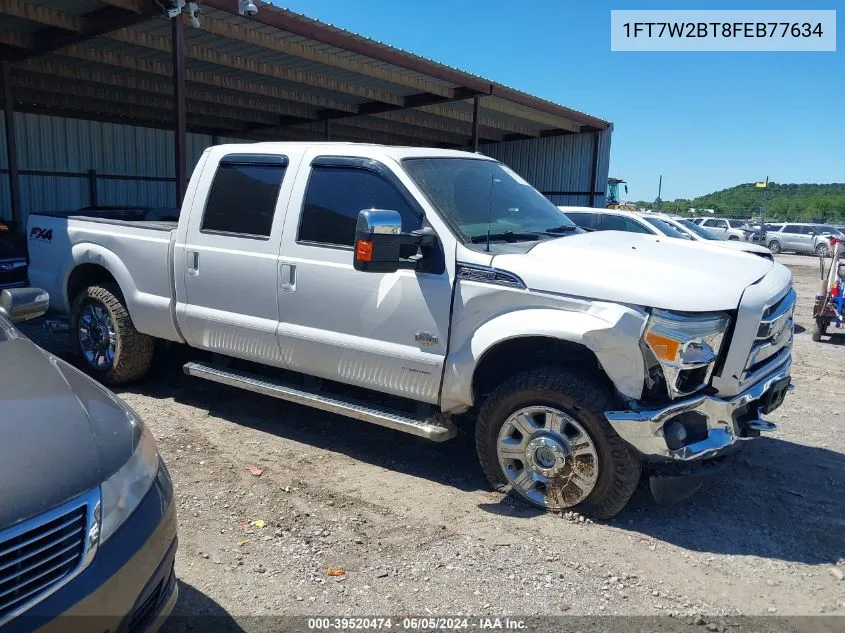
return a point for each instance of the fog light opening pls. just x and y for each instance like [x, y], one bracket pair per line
[675, 434]
[685, 429]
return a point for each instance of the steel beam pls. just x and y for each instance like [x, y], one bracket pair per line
[11, 146]
[475, 101]
[595, 167]
[177, 36]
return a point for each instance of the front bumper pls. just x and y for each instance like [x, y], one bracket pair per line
[717, 424]
[128, 587]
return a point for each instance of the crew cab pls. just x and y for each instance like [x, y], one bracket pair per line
[407, 286]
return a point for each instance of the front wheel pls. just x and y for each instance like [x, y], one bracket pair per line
[822, 250]
[733, 238]
[542, 436]
[105, 339]
[774, 246]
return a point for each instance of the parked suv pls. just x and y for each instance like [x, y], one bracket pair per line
[800, 238]
[87, 517]
[726, 229]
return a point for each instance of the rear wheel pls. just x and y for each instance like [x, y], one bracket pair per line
[819, 329]
[542, 437]
[105, 339]
[774, 246]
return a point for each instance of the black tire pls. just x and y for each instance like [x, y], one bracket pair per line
[774, 246]
[733, 238]
[822, 250]
[819, 329]
[583, 399]
[133, 350]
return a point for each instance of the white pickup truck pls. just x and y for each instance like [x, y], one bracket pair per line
[405, 286]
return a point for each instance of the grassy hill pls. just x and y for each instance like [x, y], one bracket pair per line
[810, 203]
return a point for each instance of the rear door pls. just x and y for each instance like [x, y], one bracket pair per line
[230, 265]
[791, 237]
[382, 331]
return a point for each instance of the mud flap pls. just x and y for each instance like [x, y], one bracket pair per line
[673, 485]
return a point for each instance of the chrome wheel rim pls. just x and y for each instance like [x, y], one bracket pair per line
[97, 338]
[548, 457]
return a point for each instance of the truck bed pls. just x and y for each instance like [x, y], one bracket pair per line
[137, 253]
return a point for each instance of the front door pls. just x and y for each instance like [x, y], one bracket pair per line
[382, 331]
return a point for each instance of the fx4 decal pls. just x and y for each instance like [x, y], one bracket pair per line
[42, 235]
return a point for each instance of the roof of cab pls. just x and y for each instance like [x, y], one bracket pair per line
[347, 149]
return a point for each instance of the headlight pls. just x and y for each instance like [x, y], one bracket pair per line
[686, 345]
[123, 491]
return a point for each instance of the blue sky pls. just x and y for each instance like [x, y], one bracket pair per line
[706, 121]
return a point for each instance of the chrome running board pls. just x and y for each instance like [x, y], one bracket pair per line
[435, 428]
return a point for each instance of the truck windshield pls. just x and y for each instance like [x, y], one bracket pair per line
[480, 197]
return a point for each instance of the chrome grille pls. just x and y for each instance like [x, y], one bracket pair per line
[774, 336]
[39, 555]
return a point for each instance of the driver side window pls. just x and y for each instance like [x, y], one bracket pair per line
[334, 197]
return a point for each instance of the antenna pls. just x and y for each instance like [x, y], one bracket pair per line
[490, 212]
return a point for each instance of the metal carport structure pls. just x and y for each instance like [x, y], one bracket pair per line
[276, 75]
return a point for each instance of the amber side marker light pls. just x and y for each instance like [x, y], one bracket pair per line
[364, 251]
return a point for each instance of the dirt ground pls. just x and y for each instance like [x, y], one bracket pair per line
[417, 531]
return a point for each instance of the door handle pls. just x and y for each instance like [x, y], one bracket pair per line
[287, 277]
[193, 264]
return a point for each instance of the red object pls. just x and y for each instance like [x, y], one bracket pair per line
[835, 290]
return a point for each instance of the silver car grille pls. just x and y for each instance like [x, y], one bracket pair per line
[774, 336]
[41, 554]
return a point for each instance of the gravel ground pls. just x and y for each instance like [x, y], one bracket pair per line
[417, 531]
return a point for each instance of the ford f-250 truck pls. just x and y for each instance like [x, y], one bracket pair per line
[405, 286]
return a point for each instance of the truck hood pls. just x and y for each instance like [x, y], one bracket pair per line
[635, 269]
[60, 433]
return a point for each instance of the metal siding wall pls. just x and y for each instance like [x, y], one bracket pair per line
[558, 163]
[74, 145]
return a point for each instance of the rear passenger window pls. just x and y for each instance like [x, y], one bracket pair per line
[335, 196]
[792, 228]
[619, 223]
[243, 195]
[583, 219]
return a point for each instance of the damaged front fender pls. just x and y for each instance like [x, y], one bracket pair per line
[611, 331]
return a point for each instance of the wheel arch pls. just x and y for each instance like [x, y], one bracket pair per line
[604, 339]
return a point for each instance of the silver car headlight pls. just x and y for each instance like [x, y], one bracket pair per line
[123, 491]
[686, 346]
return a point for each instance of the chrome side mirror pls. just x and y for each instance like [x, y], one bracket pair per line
[378, 236]
[22, 304]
